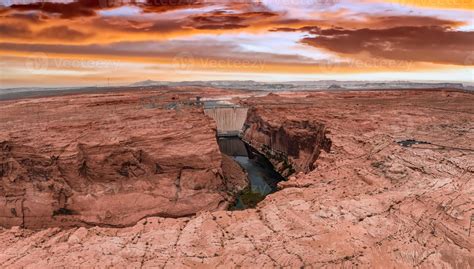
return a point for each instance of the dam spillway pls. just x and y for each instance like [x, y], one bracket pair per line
[229, 119]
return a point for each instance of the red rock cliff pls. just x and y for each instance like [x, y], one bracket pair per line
[291, 145]
[371, 203]
[106, 160]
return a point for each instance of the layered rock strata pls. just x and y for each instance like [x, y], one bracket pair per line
[290, 145]
[108, 160]
[371, 203]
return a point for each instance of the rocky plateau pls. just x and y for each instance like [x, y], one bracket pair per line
[136, 180]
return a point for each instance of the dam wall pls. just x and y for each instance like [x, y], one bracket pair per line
[229, 120]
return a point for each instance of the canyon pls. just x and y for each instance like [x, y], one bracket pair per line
[110, 161]
[136, 179]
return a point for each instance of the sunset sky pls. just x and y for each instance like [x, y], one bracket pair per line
[96, 42]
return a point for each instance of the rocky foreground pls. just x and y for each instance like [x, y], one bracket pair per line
[109, 160]
[365, 201]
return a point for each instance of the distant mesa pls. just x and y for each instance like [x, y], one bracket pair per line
[146, 83]
[335, 86]
[307, 85]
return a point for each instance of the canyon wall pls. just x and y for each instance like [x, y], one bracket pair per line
[290, 145]
[370, 203]
[108, 160]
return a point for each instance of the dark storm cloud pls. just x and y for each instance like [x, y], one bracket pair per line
[424, 44]
[225, 20]
[88, 8]
[407, 38]
[81, 8]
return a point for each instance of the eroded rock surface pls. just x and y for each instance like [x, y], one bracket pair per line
[369, 202]
[108, 160]
[291, 145]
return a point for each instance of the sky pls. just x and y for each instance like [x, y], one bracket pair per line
[117, 42]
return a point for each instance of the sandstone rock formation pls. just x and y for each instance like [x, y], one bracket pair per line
[235, 178]
[291, 145]
[369, 202]
[108, 160]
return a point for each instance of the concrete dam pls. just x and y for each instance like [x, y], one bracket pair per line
[229, 119]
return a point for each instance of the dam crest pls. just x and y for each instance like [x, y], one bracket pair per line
[229, 118]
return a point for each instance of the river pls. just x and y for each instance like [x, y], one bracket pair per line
[262, 177]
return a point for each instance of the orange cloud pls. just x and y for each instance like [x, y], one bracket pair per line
[356, 41]
[440, 4]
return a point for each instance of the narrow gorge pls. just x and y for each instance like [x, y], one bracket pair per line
[269, 152]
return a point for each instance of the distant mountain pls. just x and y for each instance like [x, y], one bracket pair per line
[250, 85]
[335, 86]
[146, 83]
[306, 85]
